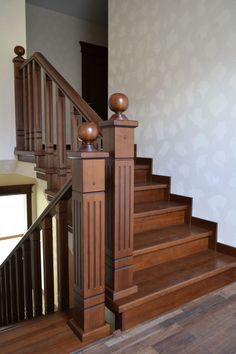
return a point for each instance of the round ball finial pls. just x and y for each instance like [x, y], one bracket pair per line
[118, 103]
[19, 51]
[88, 133]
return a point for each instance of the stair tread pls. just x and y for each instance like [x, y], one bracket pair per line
[167, 236]
[149, 185]
[157, 207]
[165, 278]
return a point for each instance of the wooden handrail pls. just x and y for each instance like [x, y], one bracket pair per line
[64, 193]
[65, 87]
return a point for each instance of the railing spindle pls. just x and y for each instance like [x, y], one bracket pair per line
[61, 138]
[76, 121]
[25, 108]
[7, 292]
[13, 289]
[30, 106]
[3, 296]
[62, 255]
[27, 279]
[48, 264]
[36, 272]
[48, 102]
[37, 108]
[19, 284]
[18, 60]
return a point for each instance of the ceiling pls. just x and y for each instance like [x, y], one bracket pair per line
[90, 10]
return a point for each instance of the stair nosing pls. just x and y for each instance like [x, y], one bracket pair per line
[154, 212]
[169, 244]
[150, 186]
[157, 294]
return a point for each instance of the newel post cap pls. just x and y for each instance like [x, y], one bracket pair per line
[88, 133]
[118, 103]
[19, 51]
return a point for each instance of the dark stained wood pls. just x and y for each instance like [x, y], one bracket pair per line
[47, 334]
[61, 138]
[166, 286]
[25, 109]
[19, 284]
[118, 103]
[27, 279]
[226, 249]
[18, 75]
[118, 140]
[13, 296]
[48, 264]
[7, 292]
[36, 272]
[3, 297]
[48, 101]
[88, 210]
[37, 108]
[62, 254]
[30, 106]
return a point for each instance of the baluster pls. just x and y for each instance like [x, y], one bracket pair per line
[30, 106]
[27, 279]
[36, 272]
[37, 111]
[62, 255]
[118, 140]
[61, 138]
[3, 296]
[13, 298]
[49, 150]
[88, 320]
[76, 121]
[19, 284]
[25, 108]
[7, 292]
[18, 60]
[48, 264]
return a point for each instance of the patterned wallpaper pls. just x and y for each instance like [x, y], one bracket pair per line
[176, 61]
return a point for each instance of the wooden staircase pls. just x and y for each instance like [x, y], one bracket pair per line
[175, 257]
[157, 256]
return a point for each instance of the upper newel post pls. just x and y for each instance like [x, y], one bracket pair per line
[88, 210]
[118, 140]
[18, 75]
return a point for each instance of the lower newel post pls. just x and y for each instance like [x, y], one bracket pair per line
[88, 198]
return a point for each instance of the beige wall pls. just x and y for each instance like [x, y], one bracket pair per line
[57, 36]
[12, 32]
[176, 62]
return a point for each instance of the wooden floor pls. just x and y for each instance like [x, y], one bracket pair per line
[204, 326]
[48, 334]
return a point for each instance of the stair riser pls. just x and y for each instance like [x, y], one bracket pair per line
[151, 195]
[141, 176]
[168, 254]
[155, 222]
[170, 301]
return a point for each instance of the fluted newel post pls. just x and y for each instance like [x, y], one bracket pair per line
[18, 60]
[88, 208]
[118, 140]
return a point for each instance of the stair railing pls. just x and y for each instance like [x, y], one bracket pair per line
[27, 274]
[41, 96]
[43, 102]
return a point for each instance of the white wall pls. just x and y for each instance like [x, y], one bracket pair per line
[57, 36]
[176, 61]
[12, 32]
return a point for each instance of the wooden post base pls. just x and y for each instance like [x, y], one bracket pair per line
[91, 335]
[116, 295]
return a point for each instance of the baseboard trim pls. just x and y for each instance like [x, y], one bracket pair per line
[226, 249]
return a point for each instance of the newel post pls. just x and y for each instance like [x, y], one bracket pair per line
[88, 208]
[18, 75]
[118, 140]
